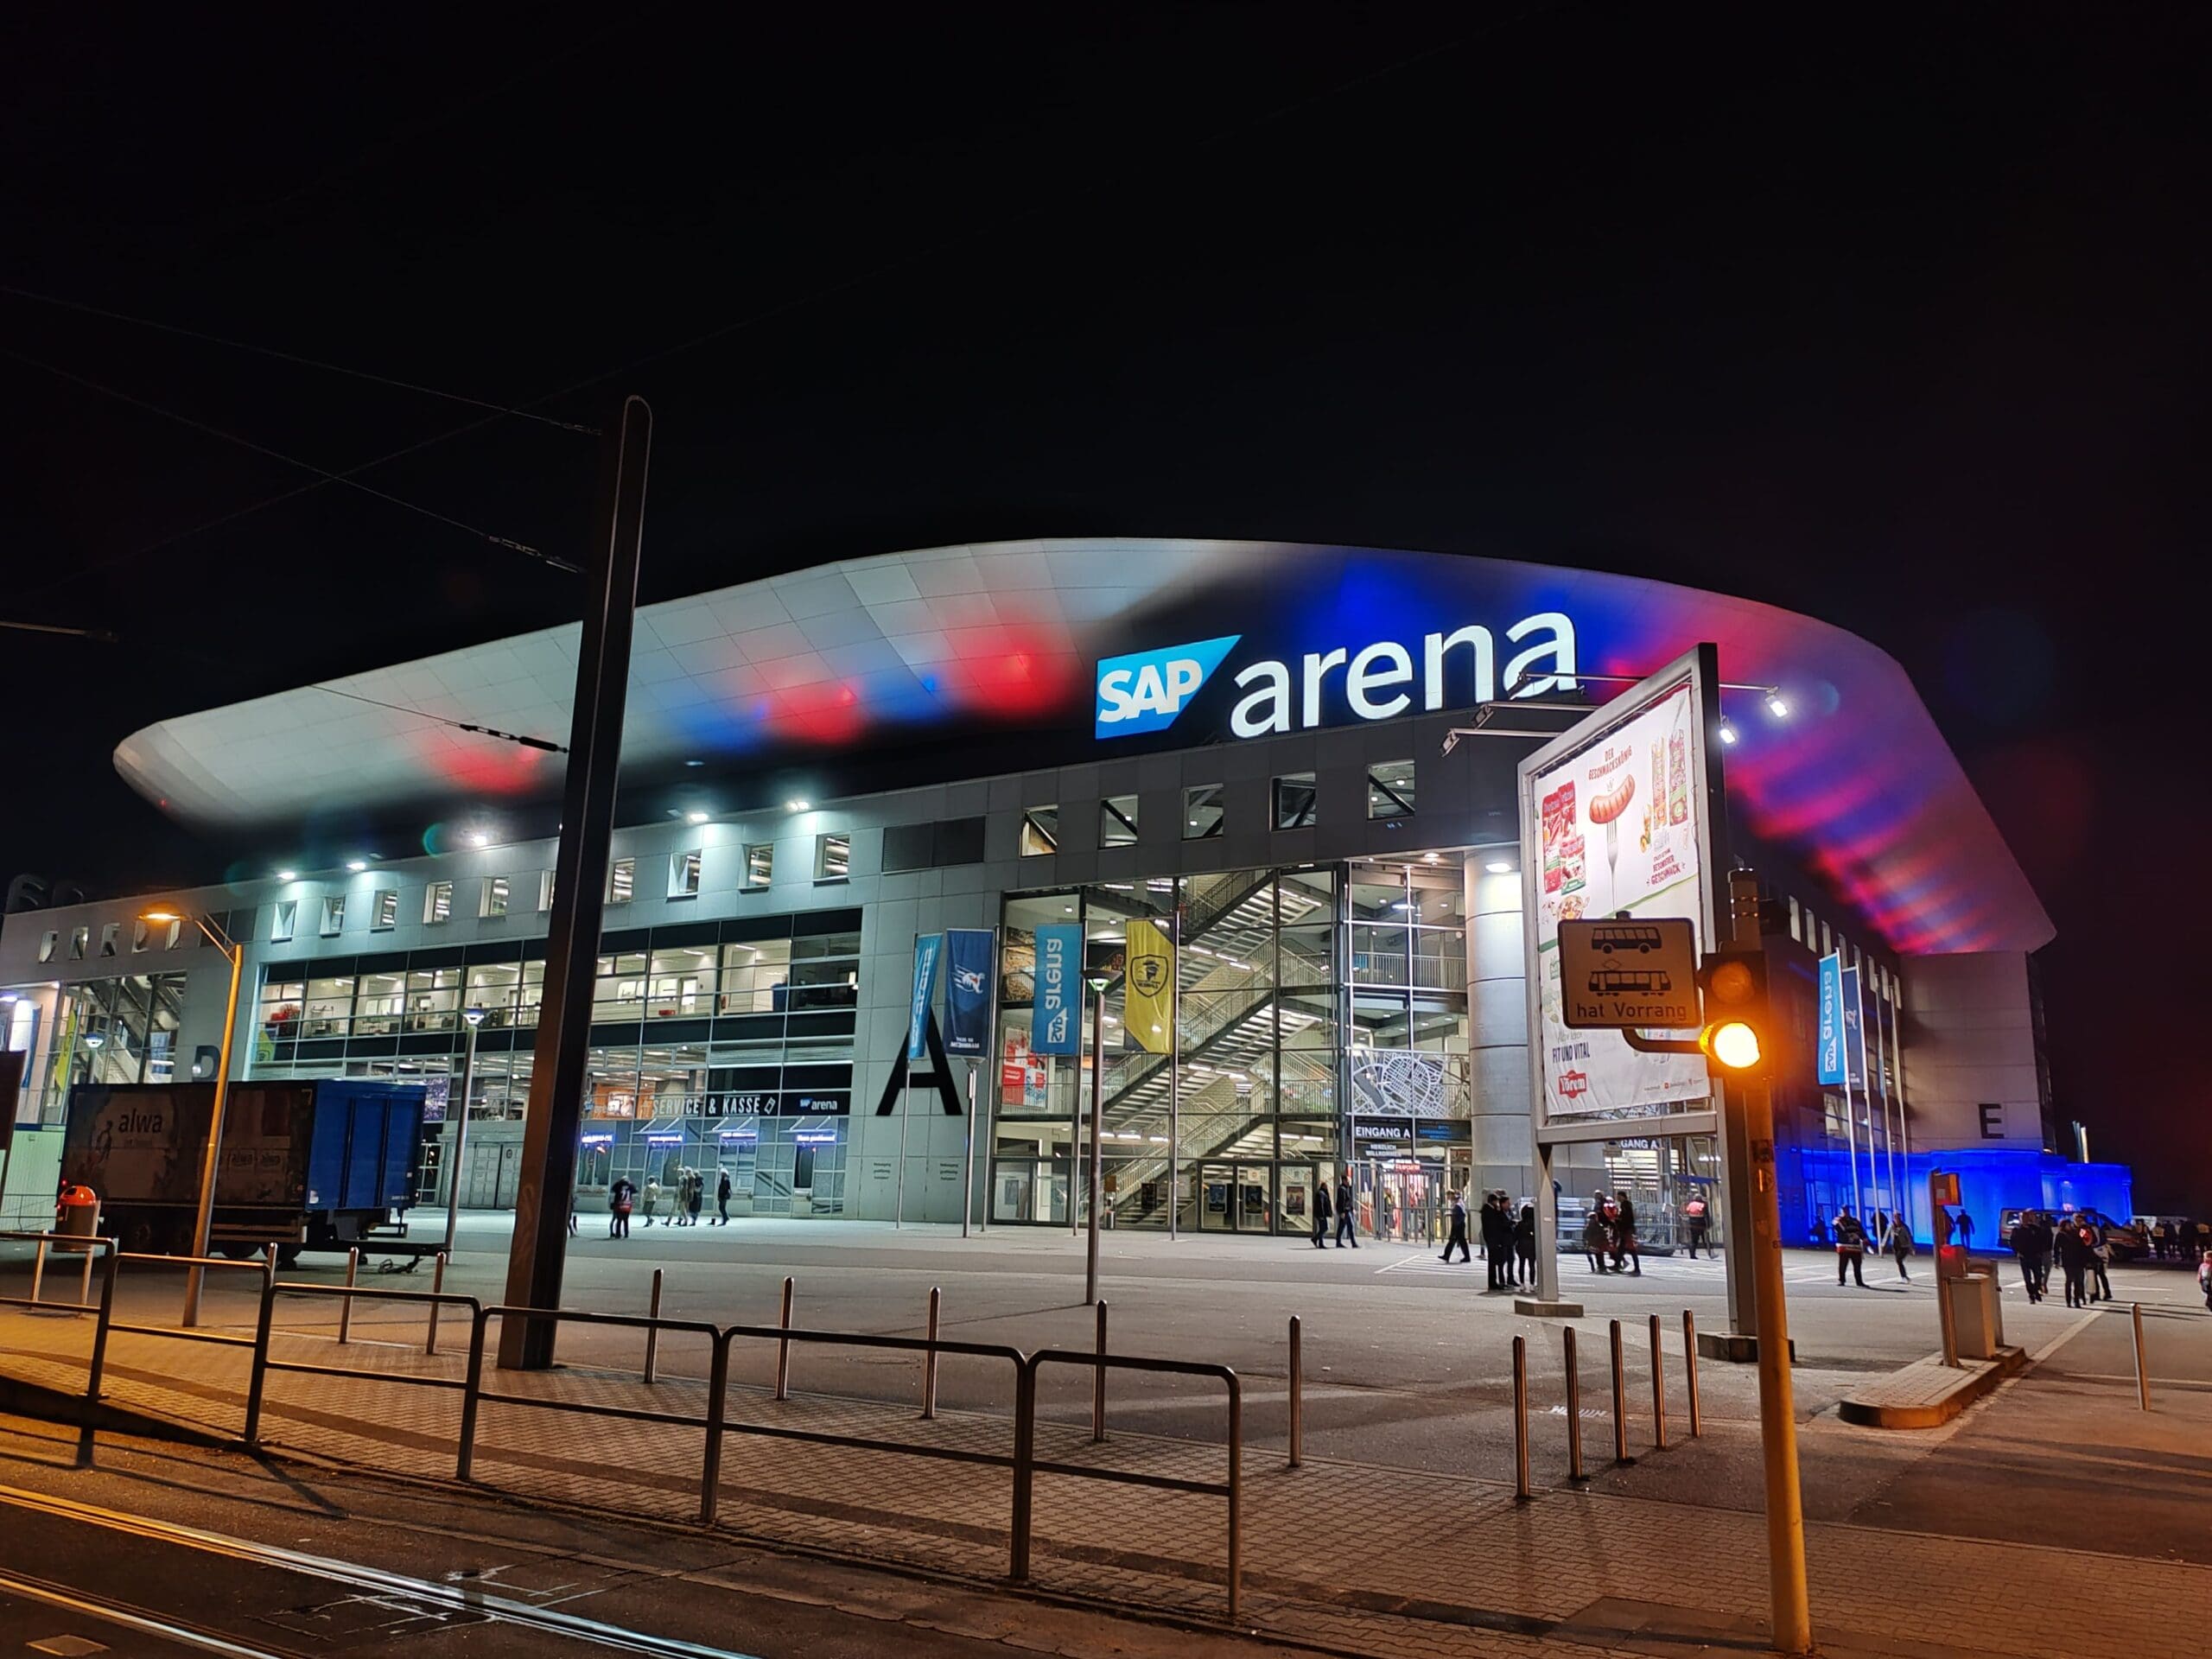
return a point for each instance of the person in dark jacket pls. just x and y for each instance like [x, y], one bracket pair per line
[721, 1198]
[1347, 1204]
[1459, 1238]
[1697, 1224]
[1900, 1245]
[1322, 1212]
[1625, 1245]
[1850, 1247]
[1497, 1241]
[1524, 1243]
[619, 1198]
[2072, 1248]
[2032, 1245]
[2099, 1260]
[1597, 1237]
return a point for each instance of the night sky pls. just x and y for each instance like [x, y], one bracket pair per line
[1893, 316]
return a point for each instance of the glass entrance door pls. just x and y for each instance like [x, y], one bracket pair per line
[1236, 1198]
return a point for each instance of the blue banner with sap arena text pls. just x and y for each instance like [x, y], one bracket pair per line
[967, 968]
[1854, 1032]
[1830, 1047]
[1055, 1022]
[927, 948]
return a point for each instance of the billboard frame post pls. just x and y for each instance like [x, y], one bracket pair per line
[546, 1192]
[1696, 671]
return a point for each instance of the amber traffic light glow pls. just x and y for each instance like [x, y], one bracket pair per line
[1735, 1012]
[1732, 1043]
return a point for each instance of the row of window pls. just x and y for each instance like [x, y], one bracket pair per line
[1294, 799]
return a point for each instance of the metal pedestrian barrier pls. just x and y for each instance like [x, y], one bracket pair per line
[468, 1387]
[103, 1314]
[1029, 1465]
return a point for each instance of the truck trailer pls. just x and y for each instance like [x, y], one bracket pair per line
[305, 1165]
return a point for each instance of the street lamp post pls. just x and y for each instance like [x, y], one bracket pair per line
[1097, 1136]
[474, 1016]
[196, 1275]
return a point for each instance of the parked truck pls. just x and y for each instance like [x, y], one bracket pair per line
[305, 1166]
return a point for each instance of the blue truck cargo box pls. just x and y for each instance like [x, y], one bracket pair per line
[362, 1155]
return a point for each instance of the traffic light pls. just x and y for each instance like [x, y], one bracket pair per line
[1735, 1037]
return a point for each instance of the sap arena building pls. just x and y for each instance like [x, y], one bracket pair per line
[821, 768]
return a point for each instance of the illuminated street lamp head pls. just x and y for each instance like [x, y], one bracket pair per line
[474, 1013]
[1778, 706]
[1727, 732]
[161, 915]
[287, 875]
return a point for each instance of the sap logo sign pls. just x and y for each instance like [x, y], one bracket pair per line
[1144, 690]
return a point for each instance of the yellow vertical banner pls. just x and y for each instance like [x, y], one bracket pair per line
[1149, 997]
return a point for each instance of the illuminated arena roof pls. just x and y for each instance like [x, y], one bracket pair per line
[981, 658]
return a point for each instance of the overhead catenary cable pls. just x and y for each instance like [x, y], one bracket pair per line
[526, 740]
[294, 358]
[324, 473]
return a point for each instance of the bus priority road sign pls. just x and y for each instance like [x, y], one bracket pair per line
[1624, 972]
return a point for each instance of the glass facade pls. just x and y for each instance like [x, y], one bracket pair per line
[121, 1030]
[715, 1046]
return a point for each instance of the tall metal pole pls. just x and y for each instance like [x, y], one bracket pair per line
[547, 1188]
[195, 1275]
[905, 1103]
[968, 1157]
[1175, 1065]
[1097, 1136]
[474, 1017]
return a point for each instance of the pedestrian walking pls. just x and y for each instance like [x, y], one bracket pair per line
[1346, 1200]
[619, 1198]
[2073, 1251]
[1597, 1237]
[2204, 1279]
[1850, 1247]
[1966, 1231]
[1321, 1213]
[1458, 1236]
[1625, 1246]
[2031, 1247]
[1696, 1226]
[2100, 1261]
[1524, 1245]
[652, 1199]
[1900, 1245]
[695, 1193]
[721, 1198]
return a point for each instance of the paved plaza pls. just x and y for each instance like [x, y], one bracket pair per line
[1401, 1533]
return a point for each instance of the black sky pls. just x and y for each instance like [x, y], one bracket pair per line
[1892, 315]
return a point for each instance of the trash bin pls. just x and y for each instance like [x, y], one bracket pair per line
[1975, 1322]
[77, 1212]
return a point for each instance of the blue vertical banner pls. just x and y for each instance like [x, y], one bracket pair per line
[1055, 1026]
[1830, 1046]
[927, 948]
[1854, 1032]
[967, 969]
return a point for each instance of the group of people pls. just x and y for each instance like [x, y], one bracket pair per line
[1508, 1239]
[688, 1192]
[1609, 1242]
[2078, 1244]
[1891, 1235]
[1344, 1207]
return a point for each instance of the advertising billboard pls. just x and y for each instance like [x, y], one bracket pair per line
[1619, 817]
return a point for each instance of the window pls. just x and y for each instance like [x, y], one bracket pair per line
[1390, 789]
[682, 983]
[683, 874]
[1117, 821]
[544, 891]
[1295, 796]
[433, 999]
[383, 912]
[437, 903]
[959, 840]
[491, 986]
[760, 863]
[381, 1001]
[833, 857]
[622, 880]
[138, 936]
[334, 915]
[46, 946]
[756, 978]
[494, 902]
[1040, 831]
[282, 915]
[79, 938]
[280, 1009]
[107, 937]
[1202, 812]
[619, 991]
[329, 1004]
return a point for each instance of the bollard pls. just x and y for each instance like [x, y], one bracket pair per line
[38, 1269]
[784, 1346]
[1297, 1396]
[1573, 1407]
[346, 1303]
[1520, 1419]
[1098, 1382]
[653, 1331]
[1658, 1390]
[438, 1288]
[929, 1364]
[84, 1283]
[1620, 1399]
[2142, 1370]
[1689, 1371]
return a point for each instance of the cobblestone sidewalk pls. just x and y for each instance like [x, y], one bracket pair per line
[1356, 1558]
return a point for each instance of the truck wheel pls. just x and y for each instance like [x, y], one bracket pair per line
[286, 1255]
[140, 1236]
